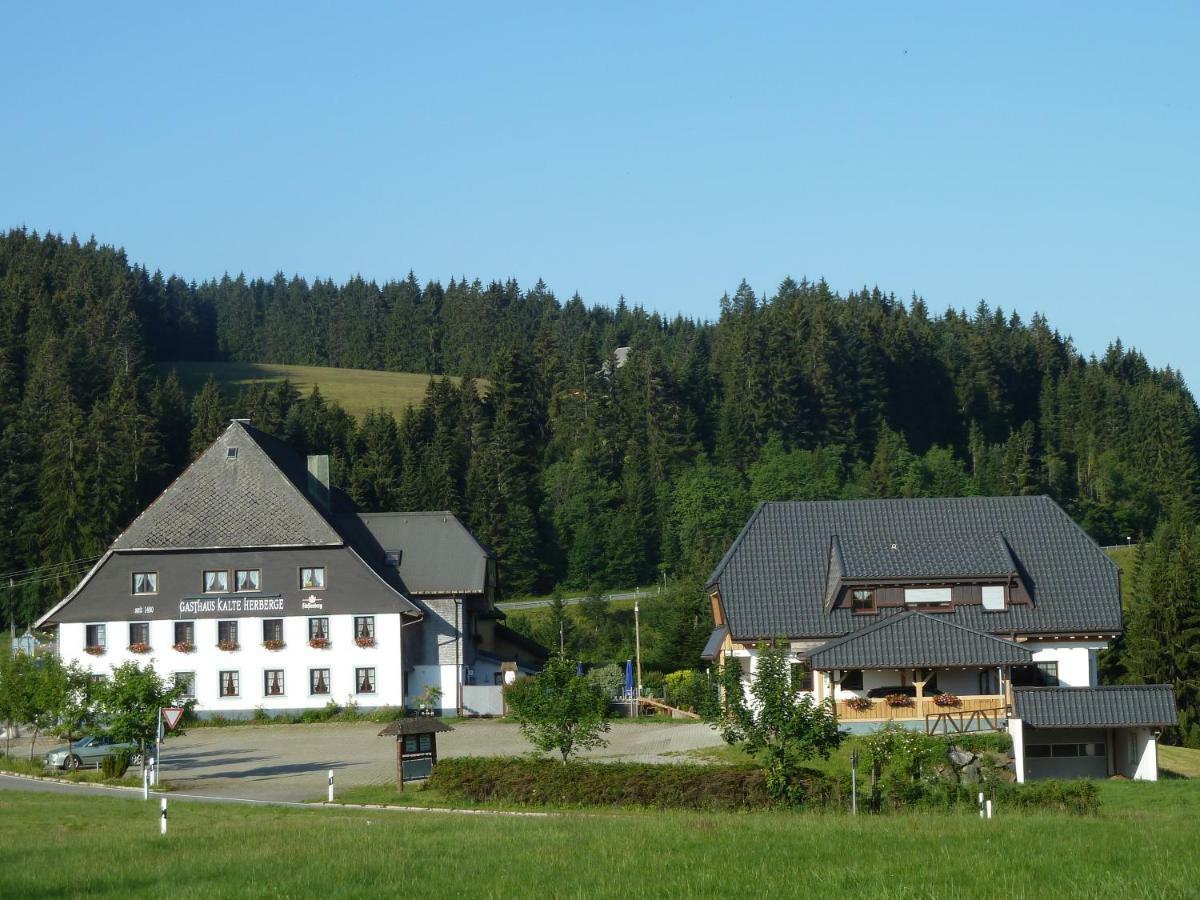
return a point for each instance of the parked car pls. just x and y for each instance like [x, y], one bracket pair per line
[89, 750]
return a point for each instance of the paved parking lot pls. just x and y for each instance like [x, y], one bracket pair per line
[290, 762]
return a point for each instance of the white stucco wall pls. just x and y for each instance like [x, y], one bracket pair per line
[251, 660]
[1146, 755]
[1076, 659]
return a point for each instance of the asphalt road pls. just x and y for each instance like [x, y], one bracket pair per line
[289, 763]
[571, 601]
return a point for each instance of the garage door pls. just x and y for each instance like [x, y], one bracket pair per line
[1066, 760]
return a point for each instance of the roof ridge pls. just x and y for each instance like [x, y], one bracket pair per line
[737, 541]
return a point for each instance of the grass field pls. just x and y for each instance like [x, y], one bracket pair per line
[1142, 844]
[357, 390]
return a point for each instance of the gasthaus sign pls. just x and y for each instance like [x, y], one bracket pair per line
[240, 605]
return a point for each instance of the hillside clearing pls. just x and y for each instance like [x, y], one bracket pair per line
[357, 390]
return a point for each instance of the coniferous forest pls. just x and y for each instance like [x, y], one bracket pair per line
[578, 472]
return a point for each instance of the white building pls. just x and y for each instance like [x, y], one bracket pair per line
[248, 583]
[974, 613]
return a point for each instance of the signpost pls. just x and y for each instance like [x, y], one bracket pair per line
[854, 782]
[169, 717]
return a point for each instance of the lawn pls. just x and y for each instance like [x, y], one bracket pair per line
[1143, 843]
[357, 390]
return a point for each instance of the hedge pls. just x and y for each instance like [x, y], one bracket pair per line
[537, 782]
[544, 782]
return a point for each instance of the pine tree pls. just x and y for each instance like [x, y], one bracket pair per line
[208, 416]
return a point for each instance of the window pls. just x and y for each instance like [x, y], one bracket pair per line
[1064, 750]
[145, 582]
[272, 630]
[318, 681]
[186, 682]
[312, 578]
[364, 627]
[273, 683]
[927, 596]
[99, 679]
[246, 580]
[852, 680]
[139, 633]
[185, 633]
[989, 682]
[364, 681]
[216, 581]
[862, 601]
[802, 676]
[230, 684]
[231, 452]
[95, 636]
[318, 629]
[227, 632]
[993, 597]
[1049, 673]
[1038, 751]
[392, 558]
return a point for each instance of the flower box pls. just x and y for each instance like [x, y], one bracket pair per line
[227, 645]
[365, 641]
[94, 651]
[185, 647]
[274, 644]
[899, 700]
[139, 648]
[946, 700]
[859, 704]
[319, 643]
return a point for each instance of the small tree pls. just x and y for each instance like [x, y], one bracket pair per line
[48, 693]
[130, 702]
[16, 693]
[558, 710]
[780, 722]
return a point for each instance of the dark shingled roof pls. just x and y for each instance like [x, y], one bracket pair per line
[438, 555]
[415, 725]
[775, 577]
[715, 640]
[918, 639]
[1115, 706]
[220, 502]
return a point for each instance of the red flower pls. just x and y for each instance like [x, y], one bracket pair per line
[318, 643]
[139, 648]
[365, 641]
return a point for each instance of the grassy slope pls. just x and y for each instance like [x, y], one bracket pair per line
[357, 390]
[1142, 843]
[1179, 761]
[1123, 557]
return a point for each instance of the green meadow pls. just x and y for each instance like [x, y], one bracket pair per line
[1142, 843]
[357, 390]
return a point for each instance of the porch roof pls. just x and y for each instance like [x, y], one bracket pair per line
[1110, 706]
[713, 647]
[915, 639]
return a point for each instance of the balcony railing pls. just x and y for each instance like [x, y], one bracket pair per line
[918, 708]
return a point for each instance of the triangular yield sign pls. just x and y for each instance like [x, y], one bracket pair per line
[171, 716]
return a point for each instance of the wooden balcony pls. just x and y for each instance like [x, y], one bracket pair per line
[918, 708]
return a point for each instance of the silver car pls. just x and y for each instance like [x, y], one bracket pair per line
[89, 750]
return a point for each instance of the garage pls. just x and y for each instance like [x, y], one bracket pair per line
[1092, 732]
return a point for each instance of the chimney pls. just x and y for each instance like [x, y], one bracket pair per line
[318, 481]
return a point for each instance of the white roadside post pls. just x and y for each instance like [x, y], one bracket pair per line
[989, 809]
[145, 782]
[158, 744]
[330, 786]
[981, 808]
[162, 819]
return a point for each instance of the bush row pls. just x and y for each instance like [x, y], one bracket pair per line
[543, 782]
[330, 712]
[537, 782]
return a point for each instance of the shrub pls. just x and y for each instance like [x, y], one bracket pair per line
[115, 765]
[610, 679]
[689, 689]
[261, 715]
[526, 781]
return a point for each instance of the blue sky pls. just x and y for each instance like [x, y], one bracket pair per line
[1042, 157]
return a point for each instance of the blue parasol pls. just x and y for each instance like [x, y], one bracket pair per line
[629, 678]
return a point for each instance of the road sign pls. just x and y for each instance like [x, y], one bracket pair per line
[172, 715]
